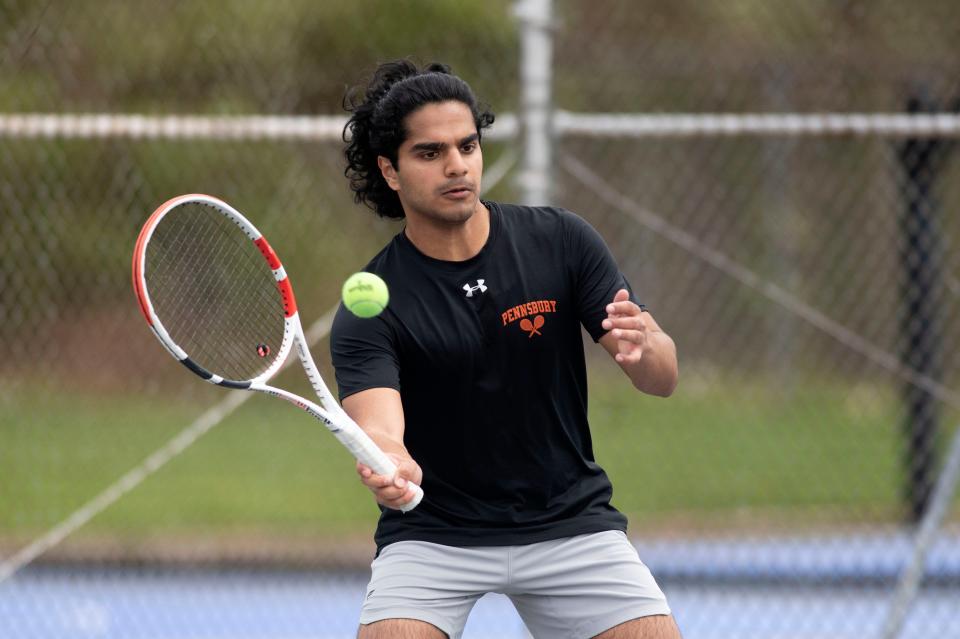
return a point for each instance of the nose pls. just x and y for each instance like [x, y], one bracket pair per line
[456, 165]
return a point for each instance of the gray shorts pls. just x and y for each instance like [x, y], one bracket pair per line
[574, 587]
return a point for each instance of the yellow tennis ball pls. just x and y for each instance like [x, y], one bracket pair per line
[365, 295]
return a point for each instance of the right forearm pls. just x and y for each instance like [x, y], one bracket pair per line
[379, 412]
[387, 441]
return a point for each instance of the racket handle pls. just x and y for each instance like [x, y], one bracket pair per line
[369, 454]
[417, 497]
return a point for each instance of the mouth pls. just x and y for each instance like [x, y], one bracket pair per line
[459, 191]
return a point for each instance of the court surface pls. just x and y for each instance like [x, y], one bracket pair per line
[792, 588]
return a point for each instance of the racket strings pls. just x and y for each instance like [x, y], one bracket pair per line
[214, 292]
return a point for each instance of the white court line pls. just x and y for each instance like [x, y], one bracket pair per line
[159, 458]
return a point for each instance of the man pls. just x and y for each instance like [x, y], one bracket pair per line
[473, 380]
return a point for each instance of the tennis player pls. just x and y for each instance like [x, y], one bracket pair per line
[474, 381]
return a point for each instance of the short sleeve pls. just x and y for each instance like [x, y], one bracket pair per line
[596, 276]
[363, 353]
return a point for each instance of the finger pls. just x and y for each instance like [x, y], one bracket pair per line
[619, 297]
[633, 337]
[377, 482]
[393, 497]
[610, 321]
[397, 503]
[408, 470]
[623, 308]
[634, 323]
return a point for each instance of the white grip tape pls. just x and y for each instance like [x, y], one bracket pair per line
[417, 497]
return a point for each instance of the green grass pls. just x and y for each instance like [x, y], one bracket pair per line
[712, 454]
[267, 466]
[732, 449]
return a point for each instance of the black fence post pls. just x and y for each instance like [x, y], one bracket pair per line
[921, 161]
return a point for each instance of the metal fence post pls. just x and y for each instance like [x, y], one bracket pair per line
[536, 48]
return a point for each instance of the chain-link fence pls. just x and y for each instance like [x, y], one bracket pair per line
[806, 271]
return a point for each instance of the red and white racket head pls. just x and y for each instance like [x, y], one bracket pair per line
[214, 291]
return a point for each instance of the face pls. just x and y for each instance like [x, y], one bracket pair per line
[439, 165]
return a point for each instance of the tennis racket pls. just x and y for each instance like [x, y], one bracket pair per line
[217, 297]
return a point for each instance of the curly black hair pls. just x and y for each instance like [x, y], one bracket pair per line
[377, 124]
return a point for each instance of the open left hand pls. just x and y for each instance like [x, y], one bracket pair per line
[625, 322]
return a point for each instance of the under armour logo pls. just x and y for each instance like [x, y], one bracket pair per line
[479, 287]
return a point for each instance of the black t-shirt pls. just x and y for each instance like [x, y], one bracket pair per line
[488, 358]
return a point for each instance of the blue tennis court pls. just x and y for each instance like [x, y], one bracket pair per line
[791, 588]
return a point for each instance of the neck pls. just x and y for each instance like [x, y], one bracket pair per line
[451, 242]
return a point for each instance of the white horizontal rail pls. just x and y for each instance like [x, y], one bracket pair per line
[756, 124]
[192, 127]
[564, 123]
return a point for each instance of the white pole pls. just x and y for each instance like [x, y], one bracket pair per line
[910, 578]
[536, 50]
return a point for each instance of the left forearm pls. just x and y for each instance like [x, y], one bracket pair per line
[656, 372]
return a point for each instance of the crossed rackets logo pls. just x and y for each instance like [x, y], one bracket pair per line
[533, 328]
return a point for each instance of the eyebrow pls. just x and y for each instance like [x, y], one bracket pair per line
[437, 146]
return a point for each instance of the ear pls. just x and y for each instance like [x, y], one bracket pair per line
[389, 172]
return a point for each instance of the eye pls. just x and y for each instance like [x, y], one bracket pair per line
[469, 147]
